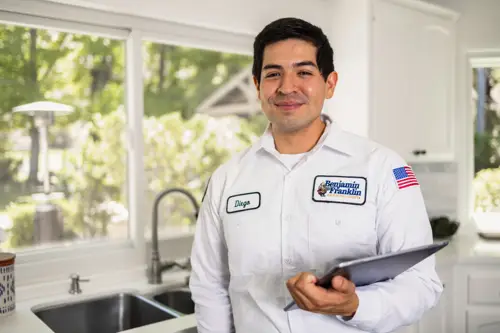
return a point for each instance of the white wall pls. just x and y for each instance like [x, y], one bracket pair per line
[243, 16]
[350, 38]
[478, 30]
[479, 24]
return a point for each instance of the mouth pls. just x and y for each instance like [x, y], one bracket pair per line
[288, 106]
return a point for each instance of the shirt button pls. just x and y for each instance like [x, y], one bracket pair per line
[288, 218]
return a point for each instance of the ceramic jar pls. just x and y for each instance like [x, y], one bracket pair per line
[7, 284]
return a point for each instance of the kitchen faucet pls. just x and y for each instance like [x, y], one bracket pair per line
[156, 267]
[75, 283]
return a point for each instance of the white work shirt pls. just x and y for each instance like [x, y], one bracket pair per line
[266, 217]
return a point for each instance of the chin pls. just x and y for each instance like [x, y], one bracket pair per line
[292, 126]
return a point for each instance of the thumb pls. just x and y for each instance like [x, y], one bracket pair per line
[341, 284]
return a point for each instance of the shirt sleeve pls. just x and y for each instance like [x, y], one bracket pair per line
[402, 223]
[210, 274]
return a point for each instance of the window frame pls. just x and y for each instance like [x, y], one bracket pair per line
[472, 58]
[36, 267]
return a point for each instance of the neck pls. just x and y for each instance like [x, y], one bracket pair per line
[299, 141]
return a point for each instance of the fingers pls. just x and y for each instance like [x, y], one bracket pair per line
[296, 285]
[343, 285]
[302, 301]
[306, 294]
[301, 280]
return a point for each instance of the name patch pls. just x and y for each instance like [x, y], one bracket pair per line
[241, 202]
[340, 189]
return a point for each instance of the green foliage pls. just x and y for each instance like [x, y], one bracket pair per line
[487, 143]
[486, 183]
[9, 164]
[178, 79]
[486, 187]
[178, 153]
[486, 151]
[22, 214]
[184, 153]
[95, 174]
[29, 68]
[182, 148]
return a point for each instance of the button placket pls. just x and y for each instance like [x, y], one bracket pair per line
[287, 262]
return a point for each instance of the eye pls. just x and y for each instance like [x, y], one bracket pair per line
[272, 74]
[304, 73]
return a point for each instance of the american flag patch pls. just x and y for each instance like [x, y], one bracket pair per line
[405, 177]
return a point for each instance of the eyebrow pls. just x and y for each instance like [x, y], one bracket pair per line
[297, 64]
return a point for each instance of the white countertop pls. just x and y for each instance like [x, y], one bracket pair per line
[465, 248]
[468, 248]
[23, 320]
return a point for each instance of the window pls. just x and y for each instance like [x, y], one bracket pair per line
[200, 107]
[70, 187]
[193, 108]
[486, 182]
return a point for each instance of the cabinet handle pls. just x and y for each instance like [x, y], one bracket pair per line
[419, 152]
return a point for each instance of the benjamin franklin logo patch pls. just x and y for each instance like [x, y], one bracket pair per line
[340, 189]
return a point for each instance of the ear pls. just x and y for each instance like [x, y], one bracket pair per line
[256, 83]
[331, 83]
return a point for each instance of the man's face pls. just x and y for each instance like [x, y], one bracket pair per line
[292, 90]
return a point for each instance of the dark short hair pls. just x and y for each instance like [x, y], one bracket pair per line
[287, 28]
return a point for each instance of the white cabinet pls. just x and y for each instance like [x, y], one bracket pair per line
[396, 65]
[413, 51]
[437, 319]
[483, 321]
[476, 302]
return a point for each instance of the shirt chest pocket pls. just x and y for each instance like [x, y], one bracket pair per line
[341, 231]
[250, 233]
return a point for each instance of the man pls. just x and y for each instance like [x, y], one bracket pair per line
[306, 194]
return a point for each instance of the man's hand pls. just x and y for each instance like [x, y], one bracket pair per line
[340, 300]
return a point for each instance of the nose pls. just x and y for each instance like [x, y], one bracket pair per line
[287, 84]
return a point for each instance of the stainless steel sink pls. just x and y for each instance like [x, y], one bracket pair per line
[176, 299]
[105, 314]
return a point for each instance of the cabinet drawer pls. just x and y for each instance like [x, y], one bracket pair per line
[484, 289]
[483, 321]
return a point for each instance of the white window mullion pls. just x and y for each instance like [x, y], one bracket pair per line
[135, 143]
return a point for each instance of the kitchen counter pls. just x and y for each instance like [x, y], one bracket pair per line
[465, 248]
[23, 320]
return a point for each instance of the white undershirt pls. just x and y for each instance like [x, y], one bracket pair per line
[290, 160]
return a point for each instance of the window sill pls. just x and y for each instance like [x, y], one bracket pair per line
[46, 268]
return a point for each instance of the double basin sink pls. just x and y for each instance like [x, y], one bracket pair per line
[116, 312]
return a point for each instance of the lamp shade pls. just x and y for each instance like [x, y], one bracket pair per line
[43, 107]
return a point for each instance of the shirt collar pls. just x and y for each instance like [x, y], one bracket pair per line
[333, 137]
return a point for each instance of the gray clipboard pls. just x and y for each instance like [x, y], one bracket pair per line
[377, 268]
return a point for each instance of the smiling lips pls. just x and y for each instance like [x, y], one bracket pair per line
[289, 105]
